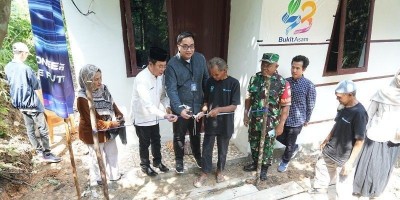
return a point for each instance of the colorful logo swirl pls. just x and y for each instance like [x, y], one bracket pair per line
[293, 20]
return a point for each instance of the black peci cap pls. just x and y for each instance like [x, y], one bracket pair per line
[158, 54]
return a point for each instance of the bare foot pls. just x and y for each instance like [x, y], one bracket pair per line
[220, 177]
[200, 180]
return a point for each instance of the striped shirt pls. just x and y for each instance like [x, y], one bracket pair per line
[303, 101]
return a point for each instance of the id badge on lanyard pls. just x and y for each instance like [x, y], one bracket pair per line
[193, 87]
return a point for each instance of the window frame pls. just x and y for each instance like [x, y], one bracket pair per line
[128, 35]
[339, 69]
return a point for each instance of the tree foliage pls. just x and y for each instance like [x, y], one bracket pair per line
[149, 20]
[18, 30]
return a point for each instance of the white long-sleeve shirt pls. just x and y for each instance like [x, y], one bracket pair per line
[148, 93]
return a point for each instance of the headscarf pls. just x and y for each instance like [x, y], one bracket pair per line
[102, 99]
[87, 73]
[389, 95]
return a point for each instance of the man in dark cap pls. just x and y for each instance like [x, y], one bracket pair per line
[148, 93]
[266, 84]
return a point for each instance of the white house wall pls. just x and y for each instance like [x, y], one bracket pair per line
[243, 54]
[97, 39]
[386, 20]
[382, 56]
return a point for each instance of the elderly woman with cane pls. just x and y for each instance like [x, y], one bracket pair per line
[108, 116]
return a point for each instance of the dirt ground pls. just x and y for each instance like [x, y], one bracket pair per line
[55, 181]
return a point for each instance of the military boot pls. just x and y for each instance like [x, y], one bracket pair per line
[263, 173]
[251, 167]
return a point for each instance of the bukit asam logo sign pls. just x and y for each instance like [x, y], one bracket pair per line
[298, 18]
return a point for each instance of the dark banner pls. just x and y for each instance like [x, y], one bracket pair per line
[52, 56]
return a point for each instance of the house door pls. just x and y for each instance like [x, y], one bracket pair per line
[208, 20]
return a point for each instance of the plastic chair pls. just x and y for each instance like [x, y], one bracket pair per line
[54, 120]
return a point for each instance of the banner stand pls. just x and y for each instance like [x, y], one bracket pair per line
[53, 64]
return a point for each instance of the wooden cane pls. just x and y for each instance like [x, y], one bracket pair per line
[71, 156]
[93, 122]
[263, 131]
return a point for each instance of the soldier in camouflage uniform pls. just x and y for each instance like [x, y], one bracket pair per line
[277, 110]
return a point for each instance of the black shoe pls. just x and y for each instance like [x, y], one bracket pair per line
[198, 162]
[149, 171]
[179, 167]
[162, 167]
[263, 173]
[250, 168]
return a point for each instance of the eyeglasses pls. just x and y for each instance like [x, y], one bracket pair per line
[186, 47]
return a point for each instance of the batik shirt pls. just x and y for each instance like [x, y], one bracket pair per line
[279, 95]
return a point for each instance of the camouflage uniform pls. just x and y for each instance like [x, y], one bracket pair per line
[256, 89]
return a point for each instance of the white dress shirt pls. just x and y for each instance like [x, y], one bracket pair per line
[148, 93]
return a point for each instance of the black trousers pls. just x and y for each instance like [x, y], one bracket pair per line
[180, 128]
[288, 138]
[149, 135]
[208, 146]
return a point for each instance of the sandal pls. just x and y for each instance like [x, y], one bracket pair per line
[200, 180]
[220, 177]
[118, 178]
[317, 191]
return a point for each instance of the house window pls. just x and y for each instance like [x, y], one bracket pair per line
[349, 44]
[145, 25]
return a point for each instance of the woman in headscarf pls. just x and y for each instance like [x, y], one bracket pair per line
[382, 144]
[107, 115]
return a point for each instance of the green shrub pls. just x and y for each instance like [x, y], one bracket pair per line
[19, 30]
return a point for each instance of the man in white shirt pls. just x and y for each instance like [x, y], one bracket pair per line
[148, 93]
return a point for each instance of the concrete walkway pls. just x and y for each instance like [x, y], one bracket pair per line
[288, 191]
[135, 185]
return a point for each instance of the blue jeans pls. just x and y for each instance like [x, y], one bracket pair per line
[32, 118]
[288, 138]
